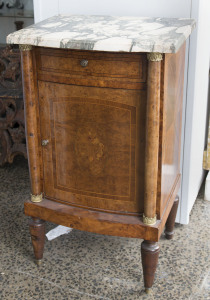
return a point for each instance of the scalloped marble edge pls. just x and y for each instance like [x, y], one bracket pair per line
[107, 33]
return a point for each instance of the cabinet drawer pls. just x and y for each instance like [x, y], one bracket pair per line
[120, 67]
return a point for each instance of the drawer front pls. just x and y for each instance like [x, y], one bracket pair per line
[95, 154]
[99, 66]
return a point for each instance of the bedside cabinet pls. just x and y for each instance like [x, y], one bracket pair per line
[103, 104]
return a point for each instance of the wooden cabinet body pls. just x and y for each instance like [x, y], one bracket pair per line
[103, 140]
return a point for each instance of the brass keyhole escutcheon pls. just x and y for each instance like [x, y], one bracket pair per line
[45, 142]
[84, 63]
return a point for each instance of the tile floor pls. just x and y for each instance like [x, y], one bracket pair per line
[86, 266]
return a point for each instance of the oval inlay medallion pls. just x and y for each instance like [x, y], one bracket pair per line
[89, 150]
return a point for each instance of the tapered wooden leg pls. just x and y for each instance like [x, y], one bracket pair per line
[169, 230]
[149, 255]
[37, 231]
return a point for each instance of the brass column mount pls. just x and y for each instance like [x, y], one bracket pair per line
[25, 47]
[149, 221]
[36, 198]
[154, 56]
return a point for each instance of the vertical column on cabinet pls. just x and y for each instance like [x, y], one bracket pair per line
[150, 249]
[30, 108]
[152, 137]
[37, 226]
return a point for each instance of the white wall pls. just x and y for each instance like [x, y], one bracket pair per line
[45, 9]
[196, 108]
[160, 8]
[196, 73]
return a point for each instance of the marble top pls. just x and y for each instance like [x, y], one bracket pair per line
[107, 33]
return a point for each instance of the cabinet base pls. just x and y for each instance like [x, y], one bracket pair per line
[92, 221]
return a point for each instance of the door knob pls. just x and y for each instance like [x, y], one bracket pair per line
[84, 63]
[45, 142]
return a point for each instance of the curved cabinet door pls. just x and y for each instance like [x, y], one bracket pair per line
[95, 154]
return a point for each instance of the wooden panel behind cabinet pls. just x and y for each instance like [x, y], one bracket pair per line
[173, 76]
[95, 155]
